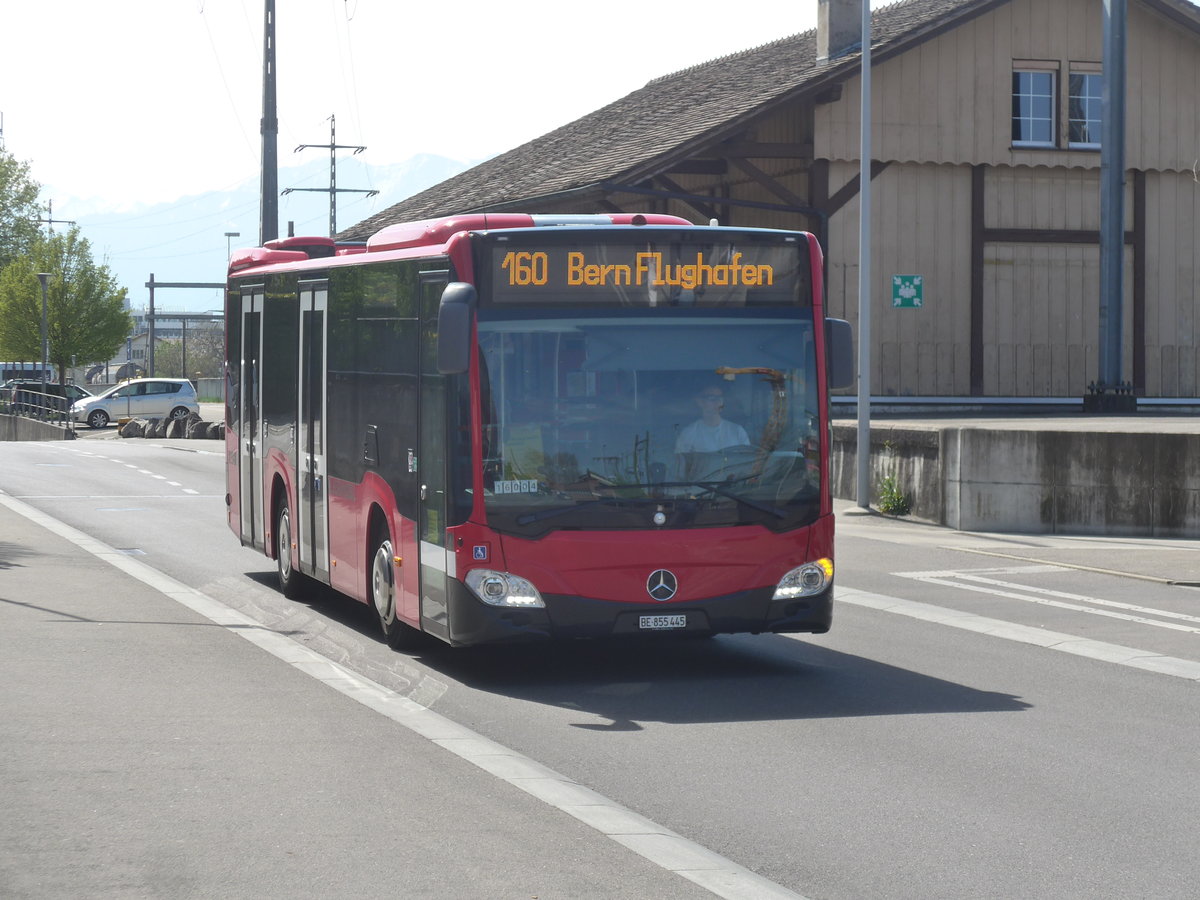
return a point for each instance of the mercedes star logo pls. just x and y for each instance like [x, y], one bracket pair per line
[662, 585]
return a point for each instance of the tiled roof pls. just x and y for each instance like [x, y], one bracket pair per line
[670, 117]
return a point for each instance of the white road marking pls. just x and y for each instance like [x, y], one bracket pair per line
[659, 845]
[1040, 637]
[130, 466]
[976, 580]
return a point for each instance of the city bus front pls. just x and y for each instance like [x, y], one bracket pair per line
[650, 436]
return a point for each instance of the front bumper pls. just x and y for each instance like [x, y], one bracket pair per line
[571, 617]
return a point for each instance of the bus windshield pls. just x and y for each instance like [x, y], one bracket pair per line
[622, 418]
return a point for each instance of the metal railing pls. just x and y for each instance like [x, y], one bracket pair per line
[39, 405]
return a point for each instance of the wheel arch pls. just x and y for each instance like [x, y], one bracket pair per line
[377, 523]
[279, 498]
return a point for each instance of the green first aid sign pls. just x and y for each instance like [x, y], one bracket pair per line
[908, 291]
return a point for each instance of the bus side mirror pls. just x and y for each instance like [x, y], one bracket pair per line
[454, 328]
[839, 353]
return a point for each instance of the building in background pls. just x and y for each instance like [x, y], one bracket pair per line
[986, 182]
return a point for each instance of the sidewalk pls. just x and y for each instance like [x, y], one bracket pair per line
[148, 751]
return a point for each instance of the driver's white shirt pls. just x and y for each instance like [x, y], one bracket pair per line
[701, 438]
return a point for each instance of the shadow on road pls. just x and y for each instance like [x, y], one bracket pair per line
[730, 678]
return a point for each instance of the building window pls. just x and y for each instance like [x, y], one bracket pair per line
[1033, 109]
[1083, 105]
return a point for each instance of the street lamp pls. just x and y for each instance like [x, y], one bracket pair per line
[44, 277]
[228, 236]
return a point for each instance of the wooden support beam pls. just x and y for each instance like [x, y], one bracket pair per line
[849, 190]
[767, 182]
[700, 167]
[767, 150]
[708, 212]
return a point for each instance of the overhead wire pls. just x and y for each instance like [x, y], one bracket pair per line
[225, 81]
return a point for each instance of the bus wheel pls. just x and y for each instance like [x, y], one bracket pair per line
[399, 636]
[291, 581]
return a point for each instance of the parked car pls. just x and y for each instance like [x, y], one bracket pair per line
[149, 398]
[32, 397]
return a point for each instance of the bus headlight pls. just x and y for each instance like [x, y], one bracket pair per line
[810, 578]
[503, 589]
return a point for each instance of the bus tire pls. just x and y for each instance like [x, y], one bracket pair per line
[399, 635]
[292, 582]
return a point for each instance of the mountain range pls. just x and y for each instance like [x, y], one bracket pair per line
[185, 240]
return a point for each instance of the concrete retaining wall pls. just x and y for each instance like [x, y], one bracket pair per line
[1030, 481]
[210, 390]
[19, 428]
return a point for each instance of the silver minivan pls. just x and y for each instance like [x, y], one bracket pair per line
[148, 398]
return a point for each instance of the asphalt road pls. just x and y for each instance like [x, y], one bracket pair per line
[991, 716]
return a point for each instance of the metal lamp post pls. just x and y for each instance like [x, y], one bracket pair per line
[44, 277]
[228, 248]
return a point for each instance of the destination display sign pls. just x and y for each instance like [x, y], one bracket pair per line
[623, 274]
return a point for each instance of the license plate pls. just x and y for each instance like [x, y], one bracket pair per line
[658, 623]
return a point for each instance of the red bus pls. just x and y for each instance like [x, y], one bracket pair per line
[503, 427]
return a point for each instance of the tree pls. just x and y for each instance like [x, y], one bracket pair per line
[19, 210]
[86, 317]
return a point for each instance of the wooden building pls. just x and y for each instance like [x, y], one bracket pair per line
[986, 182]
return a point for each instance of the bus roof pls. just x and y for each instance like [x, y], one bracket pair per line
[430, 233]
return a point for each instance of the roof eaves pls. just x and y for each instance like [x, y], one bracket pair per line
[1179, 11]
[819, 77]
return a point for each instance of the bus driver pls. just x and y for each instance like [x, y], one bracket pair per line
[710, 433]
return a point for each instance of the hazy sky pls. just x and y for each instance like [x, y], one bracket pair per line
[144, 101]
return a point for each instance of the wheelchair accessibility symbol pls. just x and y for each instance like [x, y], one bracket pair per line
[480, 552]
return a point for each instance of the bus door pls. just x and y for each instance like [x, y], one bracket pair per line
[312, 514]
[437, 558]
[250, 418]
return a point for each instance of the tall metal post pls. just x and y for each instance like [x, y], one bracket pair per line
[269, 196]
[863, 451]
[1112, 197]
[44, 277]
[333, 190]
[333, 176]
[150, 330]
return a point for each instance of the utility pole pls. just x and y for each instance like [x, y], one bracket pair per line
[333, 190]
[269, 194]
[863, 451]
[50, 220]
[1110, 394]
[44, 278]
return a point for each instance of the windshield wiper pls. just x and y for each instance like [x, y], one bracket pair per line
[714, 487]
[717, 487]
[530, 518]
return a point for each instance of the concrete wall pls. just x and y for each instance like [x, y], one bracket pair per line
[1040, 482]
[210, 390]
[19, 428]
